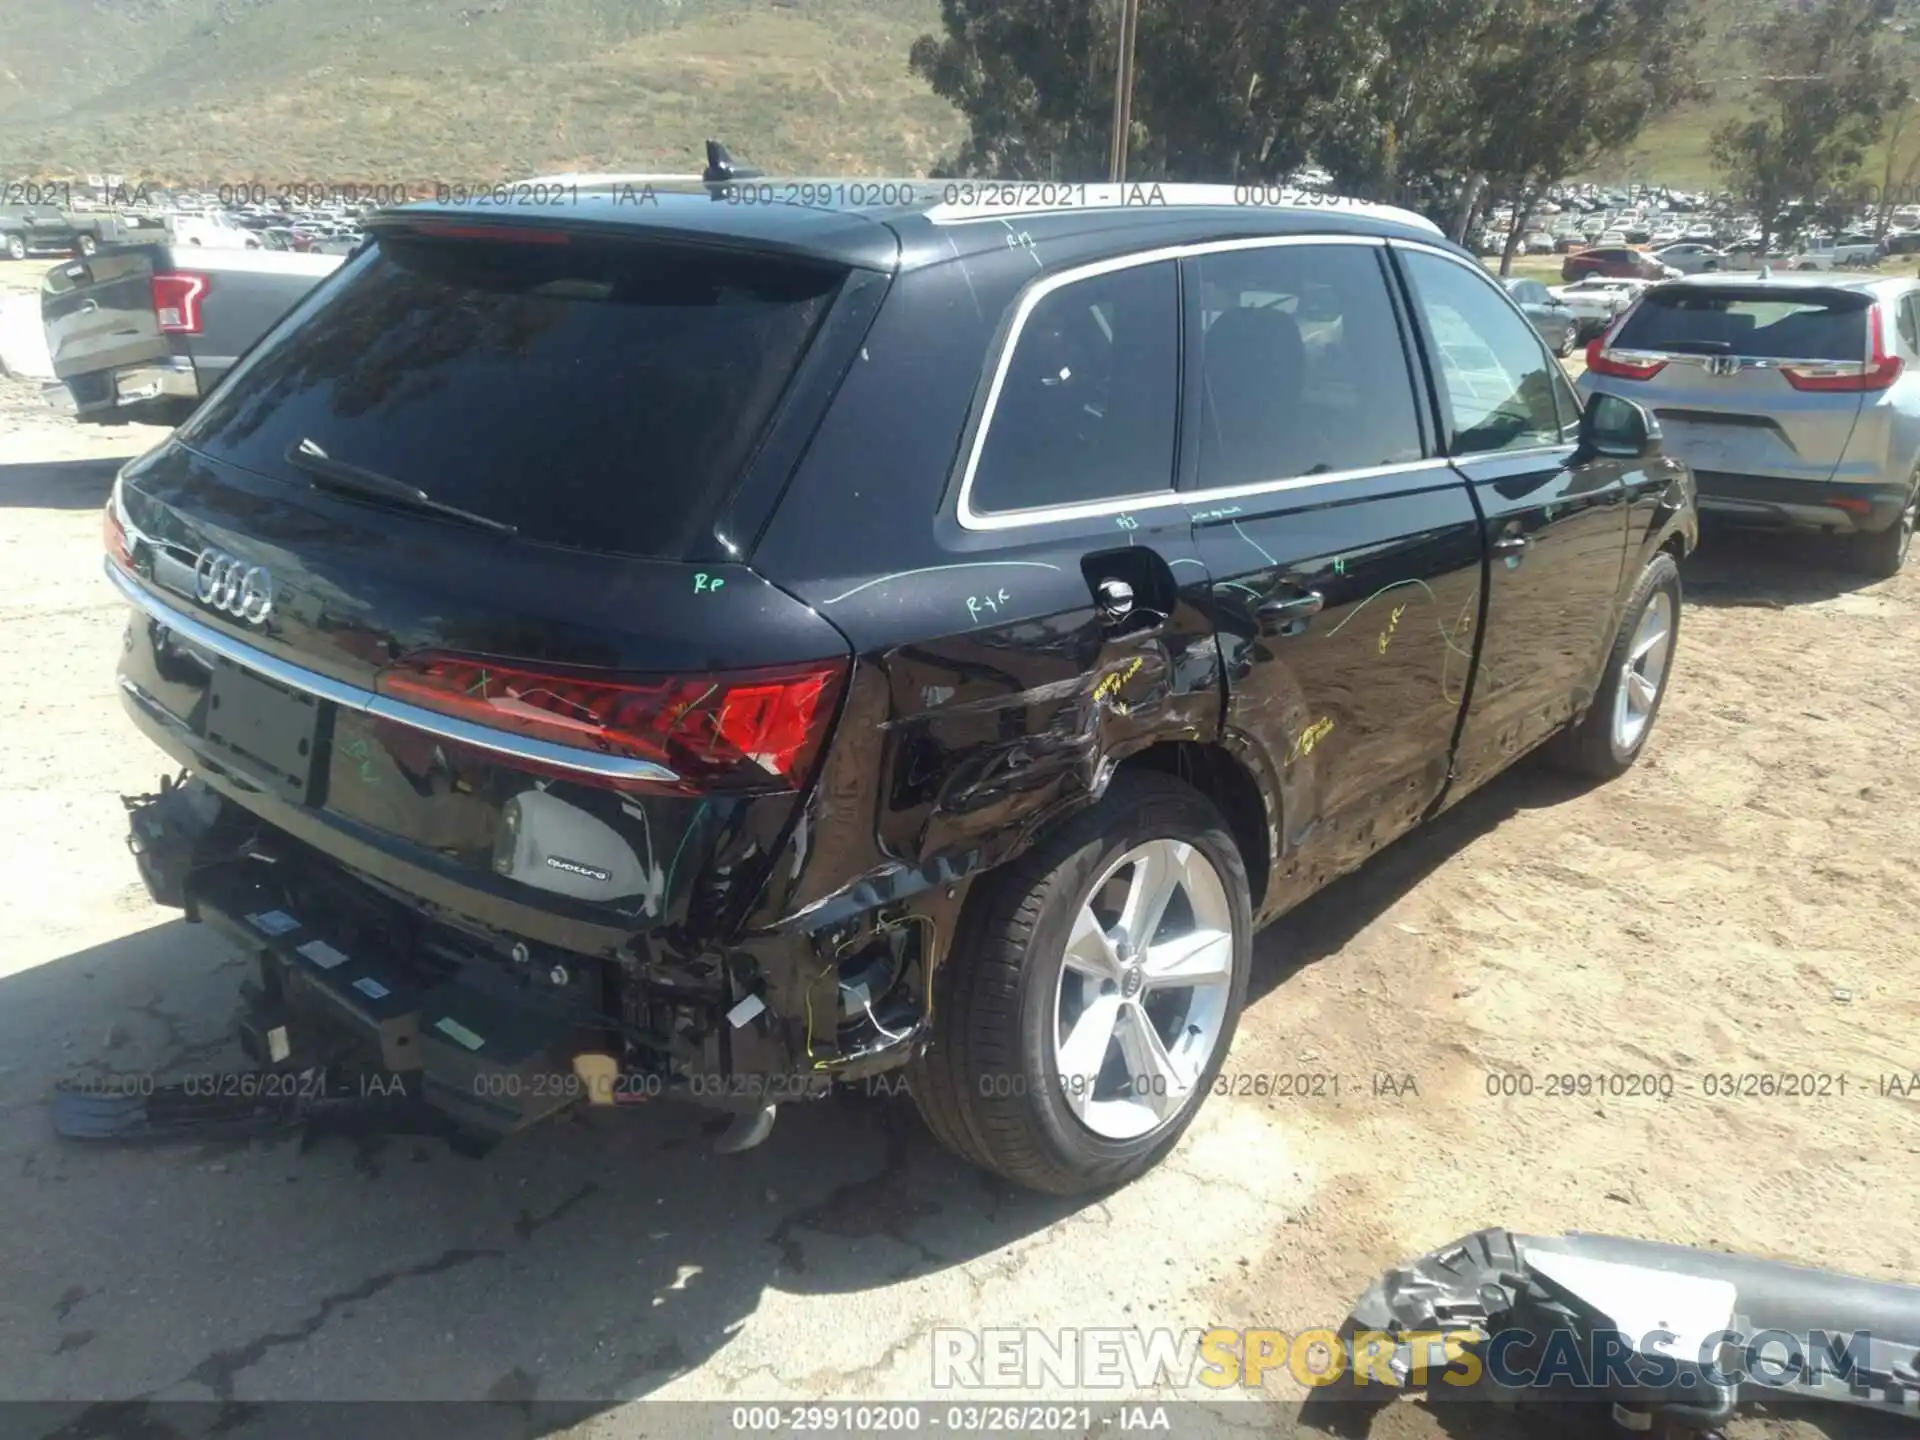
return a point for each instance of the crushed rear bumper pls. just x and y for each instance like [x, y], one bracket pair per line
[498, 1031]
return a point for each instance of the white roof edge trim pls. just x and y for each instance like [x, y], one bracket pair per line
[1003, 200]
[597, 180]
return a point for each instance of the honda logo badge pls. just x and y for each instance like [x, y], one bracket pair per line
[1723, 365]
[234, 586]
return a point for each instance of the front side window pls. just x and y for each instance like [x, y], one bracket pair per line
[1497, 381]
[1088, 405]
[1301, 366]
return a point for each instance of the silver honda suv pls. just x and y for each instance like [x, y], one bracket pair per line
[1794, 398]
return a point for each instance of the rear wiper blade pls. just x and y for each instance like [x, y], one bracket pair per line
[338, 475]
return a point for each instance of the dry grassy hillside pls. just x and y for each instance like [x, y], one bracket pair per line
[289, 90]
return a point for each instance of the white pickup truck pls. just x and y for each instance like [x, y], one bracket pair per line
[1826, 253]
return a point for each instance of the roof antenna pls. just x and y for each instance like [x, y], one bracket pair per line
[722, 167]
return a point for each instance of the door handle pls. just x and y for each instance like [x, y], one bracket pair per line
[1290, 613]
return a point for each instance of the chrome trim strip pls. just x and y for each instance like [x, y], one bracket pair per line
[160, 713]
[352, 697]
[970, 519]
[294, 677]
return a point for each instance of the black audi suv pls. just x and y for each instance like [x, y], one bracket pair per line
[732, 641]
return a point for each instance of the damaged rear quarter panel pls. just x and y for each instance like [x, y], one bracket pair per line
[989, 700]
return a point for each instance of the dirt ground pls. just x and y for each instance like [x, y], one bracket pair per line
[1742, 903]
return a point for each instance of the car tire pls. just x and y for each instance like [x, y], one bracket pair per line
[1568, 338]
[991, 1084]
[1711, 266]
[86, 246]
[16, 247]
[1604, 743]
[1882, 553]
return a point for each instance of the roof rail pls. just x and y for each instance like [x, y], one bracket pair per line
[1006, 199]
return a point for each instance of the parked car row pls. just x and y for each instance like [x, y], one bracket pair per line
[35, 229]
[27, 230]
[1658, 220]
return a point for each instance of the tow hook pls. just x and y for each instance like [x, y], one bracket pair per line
[746, 1130]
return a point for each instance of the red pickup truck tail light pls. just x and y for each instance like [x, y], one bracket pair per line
[743, 730]
[1878, 373]
[176, 301]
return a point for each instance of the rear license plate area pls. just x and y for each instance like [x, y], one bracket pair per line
[265, 731]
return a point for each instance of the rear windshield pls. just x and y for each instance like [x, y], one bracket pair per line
[1767, 326]
[591, 393]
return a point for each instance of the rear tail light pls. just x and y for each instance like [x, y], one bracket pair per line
[115, 534]
[739, 731]
[1877, 373]
[1623, 364]
[176, 301]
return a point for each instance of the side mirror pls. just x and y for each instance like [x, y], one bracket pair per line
[1618, 429]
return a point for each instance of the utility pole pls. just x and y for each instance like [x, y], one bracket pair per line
[1123, 90]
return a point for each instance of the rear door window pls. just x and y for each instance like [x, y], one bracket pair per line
[593, 393]
[1089, 399]
[1758, 324]
[1500, 389]
[1301, 365]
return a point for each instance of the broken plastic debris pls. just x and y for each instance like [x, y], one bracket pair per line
[745, 1011]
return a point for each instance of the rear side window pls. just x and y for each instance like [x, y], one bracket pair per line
[1088, 402]
[1500, 388]
[1765, 324]
[1301, 366]
[595, 394]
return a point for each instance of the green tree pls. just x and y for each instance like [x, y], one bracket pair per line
[1406, 120]
[1224, 90]
[1034, 79]
[1559, 86]
[1830, 83]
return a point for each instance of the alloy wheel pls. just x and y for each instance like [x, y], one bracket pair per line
[1142, 997]
[1643, 672]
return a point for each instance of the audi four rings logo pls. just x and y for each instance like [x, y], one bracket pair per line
[1723, 365]
[234, 586]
